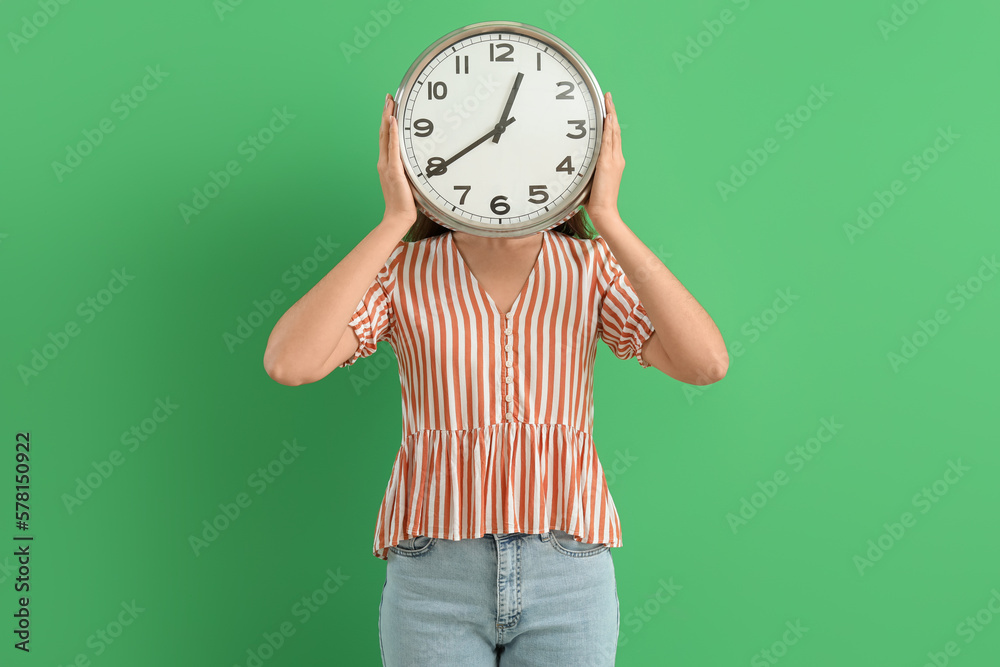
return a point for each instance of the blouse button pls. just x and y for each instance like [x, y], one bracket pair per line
[509, 398]
[508, 347]
[507, 331]
[509, 379]
[509, 363]
[510, 416]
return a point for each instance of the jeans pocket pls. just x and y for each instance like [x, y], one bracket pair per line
[414, 546]
[566, 544]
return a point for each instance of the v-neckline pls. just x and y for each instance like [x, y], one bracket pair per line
[472, 277]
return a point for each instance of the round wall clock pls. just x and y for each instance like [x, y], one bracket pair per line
[500, 125]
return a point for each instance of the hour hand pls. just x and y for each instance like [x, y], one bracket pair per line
[502, 124]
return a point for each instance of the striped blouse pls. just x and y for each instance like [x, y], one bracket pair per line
[498, 407]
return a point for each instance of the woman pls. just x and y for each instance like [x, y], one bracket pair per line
[497, 522]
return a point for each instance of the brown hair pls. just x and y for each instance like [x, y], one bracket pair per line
[577, 226]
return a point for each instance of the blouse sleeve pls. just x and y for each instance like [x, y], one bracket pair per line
[623, 323]
[374, 318]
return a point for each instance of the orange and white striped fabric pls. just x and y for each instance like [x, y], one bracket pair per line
[498, 407]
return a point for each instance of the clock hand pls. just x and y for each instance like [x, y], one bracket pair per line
[506, 109]
[434, 169]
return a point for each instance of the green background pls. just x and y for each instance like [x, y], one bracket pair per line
[694, 452]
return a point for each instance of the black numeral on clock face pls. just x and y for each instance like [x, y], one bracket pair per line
[536, 190]
[499, 205]
[461, 201]
[565, 95]
[580, 125]
[436, 167]
[458, 65]
[424, 127]
[437, 90]
[503, 57]
[566, 165]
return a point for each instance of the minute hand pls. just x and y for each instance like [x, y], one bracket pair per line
[434, 170]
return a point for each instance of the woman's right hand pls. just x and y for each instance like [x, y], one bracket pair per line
[399, 204]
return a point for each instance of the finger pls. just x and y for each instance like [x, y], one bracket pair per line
[612, 144]
[381, 142]
[606, 138]
[392, 143]
[617, 138]
[383, 130]
[393, 154]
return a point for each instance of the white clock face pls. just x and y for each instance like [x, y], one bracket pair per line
[530, 168]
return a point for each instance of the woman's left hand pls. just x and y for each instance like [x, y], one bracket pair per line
[603, 198]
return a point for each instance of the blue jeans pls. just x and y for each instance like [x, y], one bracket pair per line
[514, 600]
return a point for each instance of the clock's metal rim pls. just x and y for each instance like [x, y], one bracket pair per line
[545, 221]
